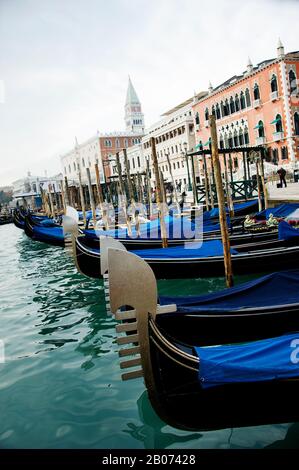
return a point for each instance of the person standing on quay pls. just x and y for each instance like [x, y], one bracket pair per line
[282, 175]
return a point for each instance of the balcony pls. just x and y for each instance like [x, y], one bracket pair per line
[206, 123]
[257, 103]
[260, 140]
[274, 95]
[277, 136]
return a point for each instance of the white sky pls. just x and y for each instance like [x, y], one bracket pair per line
[65, 64]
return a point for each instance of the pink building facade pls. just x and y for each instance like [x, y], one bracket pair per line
[259, 107]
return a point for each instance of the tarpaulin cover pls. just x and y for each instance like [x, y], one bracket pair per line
[258, 361]
[286, 231]
[177, 228]
[204, 250]
[293, 215]
[196, 250]
[237, 208]
[283, 210]
[271, 290]
[48, 234]
[47, 223]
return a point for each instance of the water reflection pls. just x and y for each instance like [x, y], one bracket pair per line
[151, 433]
[70, 307]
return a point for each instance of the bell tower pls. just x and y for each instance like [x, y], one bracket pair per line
[134, 117]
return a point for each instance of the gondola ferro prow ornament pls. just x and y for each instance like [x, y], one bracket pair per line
[70, 228]
[132, 283]
[106, 243]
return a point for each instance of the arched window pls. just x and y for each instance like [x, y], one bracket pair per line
[213, 110]
[247, 95]
[222, 109]
[261, 130]
[226, 108]
[236, 140]
[237, 103]
[230, 140]
[275, 156]
[221, 141]
[292, 80]
[218, 114]
[225, 141]
[117, 143]
[241, 138]
[242, 100]
[206, 114]
[256, 92]
[284, 153]
[296, 123]
[232, 105]
[274, 83]
[197, 119]
[278, 123]
[246, 136]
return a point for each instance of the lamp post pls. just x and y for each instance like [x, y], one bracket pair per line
[185, 146]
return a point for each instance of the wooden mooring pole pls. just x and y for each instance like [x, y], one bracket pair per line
[91, 198]
[221, 204]
[159, 193]
[81, 192]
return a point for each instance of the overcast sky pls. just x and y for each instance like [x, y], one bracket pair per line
[65, 64]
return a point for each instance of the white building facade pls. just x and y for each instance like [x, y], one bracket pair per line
[82, 156]
[101, 147]
[29, 188]
[174, 135]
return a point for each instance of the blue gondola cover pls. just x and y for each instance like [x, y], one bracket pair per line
[271, 290]
[286, 231]
[283, 210]
[195, 250]
[258, 361]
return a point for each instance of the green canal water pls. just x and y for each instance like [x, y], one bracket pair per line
[60, 384]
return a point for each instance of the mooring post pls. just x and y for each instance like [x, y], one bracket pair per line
[159, 193]
[221, 204]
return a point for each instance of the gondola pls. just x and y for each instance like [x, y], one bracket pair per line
[44, 230]
[19, 219]
[6, 220]
[240, 209]
[176, 227]
[204, 260]
[238, 368]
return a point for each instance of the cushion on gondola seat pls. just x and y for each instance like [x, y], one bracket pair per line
[257, 361]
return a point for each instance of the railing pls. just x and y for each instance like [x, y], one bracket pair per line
[240, 190]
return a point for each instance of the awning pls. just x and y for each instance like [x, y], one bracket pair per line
[258, 126]
[275, 121]
[207, 143]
